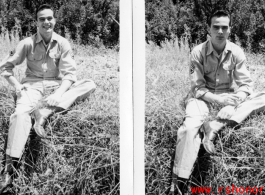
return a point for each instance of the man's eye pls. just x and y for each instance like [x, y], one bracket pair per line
[216, 27]
[43, 19]
[224, 27]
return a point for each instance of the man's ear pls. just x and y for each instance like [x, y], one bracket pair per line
[229, 29]
[208, 29]
[208, 32]
[36, 22]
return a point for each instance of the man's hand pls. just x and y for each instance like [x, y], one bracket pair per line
[242, 95]
[19, 89]
[228, 99]
[226, 112]
[224, 99]
[53, 99]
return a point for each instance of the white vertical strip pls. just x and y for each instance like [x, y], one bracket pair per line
[126, 107]
[139, 94]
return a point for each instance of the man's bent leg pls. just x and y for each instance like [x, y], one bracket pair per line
[20, 122]
[189, 139]
[20, 125]
[255, 103]
[79, 91]
[19, 128]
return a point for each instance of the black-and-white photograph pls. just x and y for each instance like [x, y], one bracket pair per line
[92, 105]
[205, 97]
[59, 97]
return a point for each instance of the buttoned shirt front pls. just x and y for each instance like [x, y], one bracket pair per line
[44, 62]
[216, 73]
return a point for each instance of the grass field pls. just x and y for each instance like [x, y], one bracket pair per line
[241, 159]
[81, 155]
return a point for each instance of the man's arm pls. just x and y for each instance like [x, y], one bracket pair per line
[67, 67]
[243, 80]
[14, 82]
[242, 76]
[225, 99]
[8, 63]
[198, 82]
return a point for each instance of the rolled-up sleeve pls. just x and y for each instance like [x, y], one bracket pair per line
[242, 75]
[198, 88]
[67, 65]
[14, 58]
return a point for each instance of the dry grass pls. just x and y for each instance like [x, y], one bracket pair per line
[241, 160]
[81, 155]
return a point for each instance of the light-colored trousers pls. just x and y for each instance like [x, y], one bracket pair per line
[20, 120]
[189, 138]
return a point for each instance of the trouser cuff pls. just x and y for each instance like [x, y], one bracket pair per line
[14, 153]
[182, 173]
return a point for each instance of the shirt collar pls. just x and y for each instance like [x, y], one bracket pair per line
[211, 49]
[54, 37]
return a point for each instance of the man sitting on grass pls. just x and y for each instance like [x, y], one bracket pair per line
[50, 67]
[215, 65]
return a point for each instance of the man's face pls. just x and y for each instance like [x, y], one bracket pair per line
[219, 29]
[45, 22]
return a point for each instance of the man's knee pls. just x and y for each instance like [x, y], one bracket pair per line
[87, 84]
[90, 85]
[20, 116]
[188, 130]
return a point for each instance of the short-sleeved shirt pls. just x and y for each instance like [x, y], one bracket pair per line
[216, 73]
[44, 62]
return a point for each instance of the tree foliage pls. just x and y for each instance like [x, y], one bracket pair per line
[91, 22]
[166, 19]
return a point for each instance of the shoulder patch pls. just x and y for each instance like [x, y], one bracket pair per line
[11, 53]
[192, 68]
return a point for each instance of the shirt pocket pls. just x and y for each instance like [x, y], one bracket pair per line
[227, 73]
[55, 56]
[228, 64]
[209, 68]
[35, 56]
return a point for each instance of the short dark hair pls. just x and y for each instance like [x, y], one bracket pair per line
[42, 7]
[219, 13]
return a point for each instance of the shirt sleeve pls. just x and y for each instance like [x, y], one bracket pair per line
[67, 65]
[198, 88]
[14, 58]
[241, 74]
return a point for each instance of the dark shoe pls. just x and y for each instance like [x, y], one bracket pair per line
[210, 130]
[41, 116]
[6, 182]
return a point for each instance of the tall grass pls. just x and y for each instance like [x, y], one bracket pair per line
[81, 155]
[241, 158]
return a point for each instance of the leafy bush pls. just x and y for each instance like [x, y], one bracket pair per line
[170, 18]
[87, 21]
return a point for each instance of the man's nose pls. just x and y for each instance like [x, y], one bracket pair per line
[220, 30]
